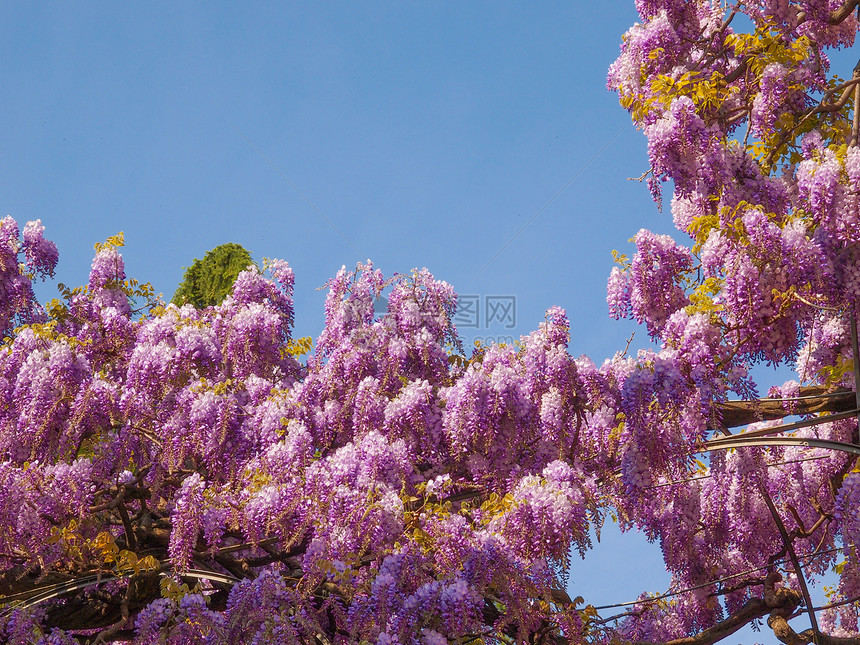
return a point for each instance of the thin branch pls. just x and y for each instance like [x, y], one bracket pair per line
[789, 545]
[832, 605]
[708, 476]
[739, 441]
[786, 427]
[821, 108]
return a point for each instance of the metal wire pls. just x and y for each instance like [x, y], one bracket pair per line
[680, 592]
[708, 476]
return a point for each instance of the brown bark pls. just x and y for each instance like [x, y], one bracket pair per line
[93, 611]
[778, 605]
[843, 12]
[836, 16]
[814, 399]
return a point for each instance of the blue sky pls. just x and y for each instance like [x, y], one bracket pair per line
[429, 134]
[415, 134]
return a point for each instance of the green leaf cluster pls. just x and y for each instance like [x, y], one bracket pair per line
[208, 281]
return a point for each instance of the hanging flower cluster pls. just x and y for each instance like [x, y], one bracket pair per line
[187, 476]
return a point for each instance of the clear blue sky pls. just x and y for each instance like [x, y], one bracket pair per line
[429, 134]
